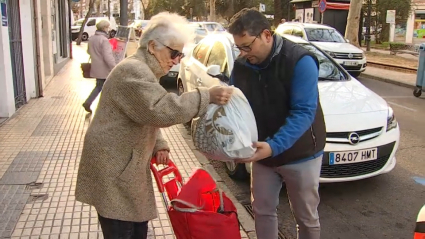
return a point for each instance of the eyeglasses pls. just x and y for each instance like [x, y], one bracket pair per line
[174, 53]
[248, 48]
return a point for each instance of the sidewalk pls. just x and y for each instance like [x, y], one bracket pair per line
[42, 143]
[393, 77]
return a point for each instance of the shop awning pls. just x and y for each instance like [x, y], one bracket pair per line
[337, 6]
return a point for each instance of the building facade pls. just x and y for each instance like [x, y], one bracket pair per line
[34, 46]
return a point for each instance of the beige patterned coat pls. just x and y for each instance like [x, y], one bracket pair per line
[114, 174]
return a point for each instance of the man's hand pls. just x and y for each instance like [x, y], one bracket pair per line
[263, 151]
[162, 157]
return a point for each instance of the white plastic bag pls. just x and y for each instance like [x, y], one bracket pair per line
[226, 132]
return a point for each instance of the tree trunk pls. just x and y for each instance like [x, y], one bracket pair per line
[89, 12]
[212, 10]
[98, 8]
[353, 21]
[277, 12]
[109, 9]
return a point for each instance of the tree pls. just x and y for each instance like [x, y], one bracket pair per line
[353, 22]
[278, 11]
[89, 12]
[98, 12]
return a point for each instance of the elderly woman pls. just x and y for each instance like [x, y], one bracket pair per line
[102, 60]
[114, 174]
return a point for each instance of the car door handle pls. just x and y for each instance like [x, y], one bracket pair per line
[199, 80]
[186, 68]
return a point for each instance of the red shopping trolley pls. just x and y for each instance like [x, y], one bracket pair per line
[197, 209]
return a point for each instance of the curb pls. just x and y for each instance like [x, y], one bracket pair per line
[245, 219]
[394, 82]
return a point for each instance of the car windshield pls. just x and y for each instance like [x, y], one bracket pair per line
[324, 35]
[328, 70]
[79, 22]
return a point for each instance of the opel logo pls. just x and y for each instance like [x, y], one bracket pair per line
[353, 138]
[350, 55]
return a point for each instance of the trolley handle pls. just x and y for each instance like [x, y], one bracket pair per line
[160, 174]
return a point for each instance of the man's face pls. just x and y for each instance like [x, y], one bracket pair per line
[254, 48]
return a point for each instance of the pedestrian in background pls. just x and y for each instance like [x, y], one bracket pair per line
[279, 79]
[102, 60]
[114, 173]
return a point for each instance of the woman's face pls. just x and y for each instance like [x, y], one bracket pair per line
[167, 56]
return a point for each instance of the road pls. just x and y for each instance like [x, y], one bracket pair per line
[381, 207]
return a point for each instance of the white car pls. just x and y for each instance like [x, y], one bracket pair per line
[90, 28]
[331, 41]
[362, 132]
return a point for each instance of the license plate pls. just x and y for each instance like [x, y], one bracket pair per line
[353, 156]
[350, 63]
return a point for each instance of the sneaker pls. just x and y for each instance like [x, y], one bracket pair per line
[87, 107]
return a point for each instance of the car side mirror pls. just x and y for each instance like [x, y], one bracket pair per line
[213, 70]
[348, 41]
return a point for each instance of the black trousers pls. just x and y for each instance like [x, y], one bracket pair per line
[116, 229]
[95, 92]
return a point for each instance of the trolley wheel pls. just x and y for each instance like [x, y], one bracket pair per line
[417, 92]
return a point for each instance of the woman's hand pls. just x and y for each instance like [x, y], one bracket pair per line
[220, 95]
[162, 157]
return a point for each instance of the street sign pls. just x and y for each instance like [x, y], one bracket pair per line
[262, 7]
[391, 16]
[322, 6]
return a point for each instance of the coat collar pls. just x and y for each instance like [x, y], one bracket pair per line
[150, 60]
[98, 32]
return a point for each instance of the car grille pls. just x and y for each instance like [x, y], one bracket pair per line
[352, 68]
[342, 137]
[354, 169]
[354, 56]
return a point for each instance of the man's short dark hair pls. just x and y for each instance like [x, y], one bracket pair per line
[249, 20]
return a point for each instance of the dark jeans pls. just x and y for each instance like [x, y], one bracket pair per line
[97, 89]
[116, 229]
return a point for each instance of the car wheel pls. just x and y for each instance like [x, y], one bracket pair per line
[112, 34]
[85, 36]
[417, 92]
[355, 74]
[236, 171]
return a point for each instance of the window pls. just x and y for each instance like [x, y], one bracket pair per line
[200, 52]
[217, 55]
[324, 35]
[91, 22]
[328, 70]
[298, 32]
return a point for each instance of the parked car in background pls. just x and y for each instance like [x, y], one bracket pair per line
[362, 132]
[139, 26]
[331, 41]
[171, 77]
[90, 27]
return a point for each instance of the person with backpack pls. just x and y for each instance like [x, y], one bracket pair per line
[279, 79]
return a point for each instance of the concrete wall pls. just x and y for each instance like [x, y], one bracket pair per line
[7, 96]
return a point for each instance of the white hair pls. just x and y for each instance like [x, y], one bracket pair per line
[102, 24]
[167, 28]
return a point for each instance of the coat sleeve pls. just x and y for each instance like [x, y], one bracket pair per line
[108, 57]
[161, 143]
[146, 102]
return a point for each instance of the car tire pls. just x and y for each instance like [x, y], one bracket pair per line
[236, 171]
[112, 33]
[85, 36]
[355, 74]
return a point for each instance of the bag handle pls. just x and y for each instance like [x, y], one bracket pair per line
[192, 208]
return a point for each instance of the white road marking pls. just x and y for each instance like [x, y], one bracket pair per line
[401, 106]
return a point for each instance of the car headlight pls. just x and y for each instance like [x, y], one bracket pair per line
[391, 120]
[332, 54]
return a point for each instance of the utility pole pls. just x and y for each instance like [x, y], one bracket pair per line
[124, 12]
[369, 22]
